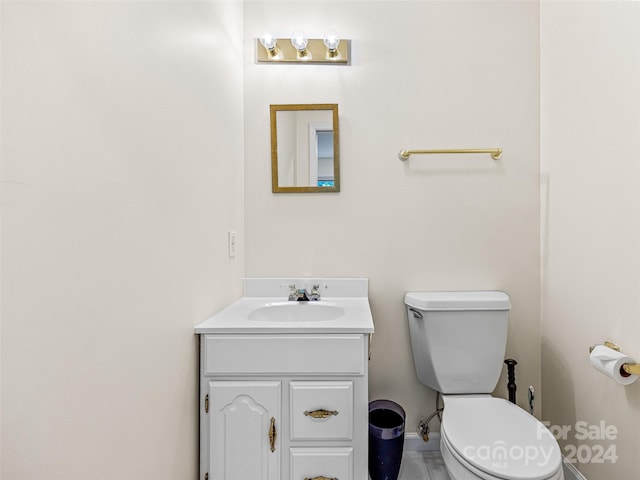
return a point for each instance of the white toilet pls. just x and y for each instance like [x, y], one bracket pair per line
[458, 341]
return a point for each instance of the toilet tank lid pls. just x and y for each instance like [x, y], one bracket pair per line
[469, 300]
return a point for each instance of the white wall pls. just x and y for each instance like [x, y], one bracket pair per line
[590, 109]
[121, 175]
[122, 147]
[423, 75]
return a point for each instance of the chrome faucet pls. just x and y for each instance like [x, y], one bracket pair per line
[302, 295]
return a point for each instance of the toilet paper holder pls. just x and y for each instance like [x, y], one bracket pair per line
[627, 368]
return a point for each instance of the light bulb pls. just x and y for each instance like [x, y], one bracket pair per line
[299, 41]
[331, 40]
[268, 42]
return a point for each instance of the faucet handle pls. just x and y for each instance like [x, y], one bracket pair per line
[315, 292]
[293, 292]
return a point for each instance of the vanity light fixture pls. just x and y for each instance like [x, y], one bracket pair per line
[299, 49]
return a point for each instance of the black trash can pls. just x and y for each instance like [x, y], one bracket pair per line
[386, 439]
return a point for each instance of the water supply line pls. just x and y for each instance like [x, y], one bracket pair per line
[423, 425]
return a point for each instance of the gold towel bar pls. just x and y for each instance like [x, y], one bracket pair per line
[495, 153]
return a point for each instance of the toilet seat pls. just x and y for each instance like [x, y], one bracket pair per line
[495, 439]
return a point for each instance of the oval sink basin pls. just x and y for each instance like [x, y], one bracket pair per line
[297, 312]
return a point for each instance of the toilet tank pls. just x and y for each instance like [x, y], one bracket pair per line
[458, 339]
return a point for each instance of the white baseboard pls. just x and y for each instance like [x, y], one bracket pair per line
[414, 443]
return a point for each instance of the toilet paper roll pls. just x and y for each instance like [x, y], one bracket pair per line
[609, 362]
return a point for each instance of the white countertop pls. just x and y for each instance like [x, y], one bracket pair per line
[350, 296]
[235, 318]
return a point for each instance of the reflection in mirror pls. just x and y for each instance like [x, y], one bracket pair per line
[305, 148]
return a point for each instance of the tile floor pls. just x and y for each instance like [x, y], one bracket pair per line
[430, 466]
[422, 466]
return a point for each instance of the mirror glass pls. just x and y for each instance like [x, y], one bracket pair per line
[305, 148]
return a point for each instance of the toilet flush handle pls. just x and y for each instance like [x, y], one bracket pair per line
[416, 313]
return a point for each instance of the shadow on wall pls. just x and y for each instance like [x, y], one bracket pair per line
[558, 389]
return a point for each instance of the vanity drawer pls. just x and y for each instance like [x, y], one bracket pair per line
[284, 354]
[330, 462]
[321, 410]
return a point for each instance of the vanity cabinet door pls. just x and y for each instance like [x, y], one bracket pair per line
[244, 424]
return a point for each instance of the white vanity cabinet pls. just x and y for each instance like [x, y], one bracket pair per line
[284, 384]
[284, 406]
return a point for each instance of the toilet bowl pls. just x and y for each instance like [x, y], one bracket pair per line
[488, 438]
[458, 341]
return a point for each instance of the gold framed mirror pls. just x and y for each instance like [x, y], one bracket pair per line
[305, 148]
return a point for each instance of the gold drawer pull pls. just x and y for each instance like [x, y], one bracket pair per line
[321, 478]
[320, 414]
[273, 434]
